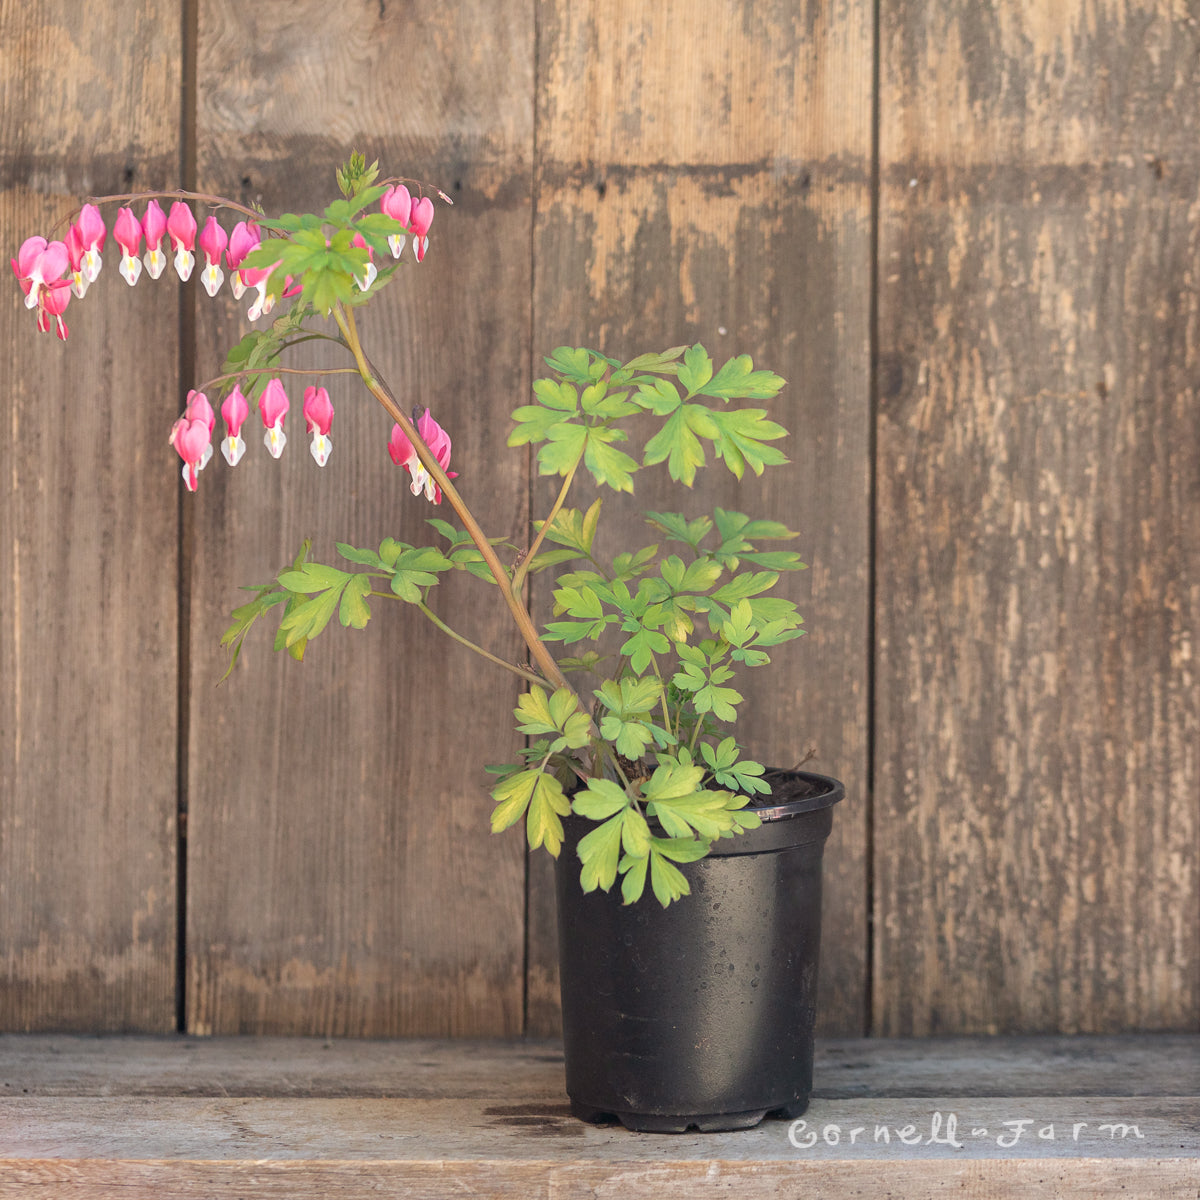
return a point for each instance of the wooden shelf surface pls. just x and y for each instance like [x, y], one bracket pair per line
[183, 1117]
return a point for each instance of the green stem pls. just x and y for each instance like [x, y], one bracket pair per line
[662, 698]
[520, 614]
[523, 569]
[528, 676]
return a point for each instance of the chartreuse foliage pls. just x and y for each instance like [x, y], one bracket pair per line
[645, 750]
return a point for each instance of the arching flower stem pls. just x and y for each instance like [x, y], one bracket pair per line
[520, 614]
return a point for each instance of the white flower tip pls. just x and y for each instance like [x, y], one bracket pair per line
[31, 300]
[185, 260]
[396, 244]
[233, 448]
[236, 286]
[321, 448]
[212, 279]
[156, 263]
[189, 477]
[275, 439]
[79, 285]
[131, 269]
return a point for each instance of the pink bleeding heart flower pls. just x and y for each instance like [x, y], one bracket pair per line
[404, 455]
[23, 265]
[213, 241]
[89, 227]
[75, 253]
[127, 232]
[369, 278]
[235, 410]
[418, 223]
[54, 303]
[40, 267]
[192, 439]
[199, 409]
[397, 204]
[256, 278]
[273, 407]
[318, 416]
[181, 225]
[154, 226]
[39, 264]
[244, 238]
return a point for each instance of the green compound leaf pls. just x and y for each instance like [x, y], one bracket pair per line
[415, 569]
[563, 449]
[579, 365]
[538, 797]
[667, 880]
[627, 724]
[365, 558]
[599, 852]
[313, 577]
[665, 362]
[602, 798]
[739, 775]
[354, 612]
[608, 465]
[677, 527]
[678, 442]
[574, 529]
[307, 618]
[741, 440]
[537, 713]
[738, 380]
[696, 369]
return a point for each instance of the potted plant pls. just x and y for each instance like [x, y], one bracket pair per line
[676, 1012]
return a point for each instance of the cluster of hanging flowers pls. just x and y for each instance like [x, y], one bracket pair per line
[51, 272]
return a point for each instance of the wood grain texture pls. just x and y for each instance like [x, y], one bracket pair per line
[1038, 530]
[1157, 1178]
[300, 1117]
[703, 175]
[49, 1065]
[342, 876]
[87, 539]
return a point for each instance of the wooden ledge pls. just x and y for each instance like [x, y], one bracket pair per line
[181, 1117]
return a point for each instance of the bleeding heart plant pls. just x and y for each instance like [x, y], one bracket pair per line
[643, 746]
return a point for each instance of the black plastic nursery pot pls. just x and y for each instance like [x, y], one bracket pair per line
[700, 1014]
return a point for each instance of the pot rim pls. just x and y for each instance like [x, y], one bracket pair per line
[833, 791]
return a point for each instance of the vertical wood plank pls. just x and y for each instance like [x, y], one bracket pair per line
[703, 174]
[1038, 527]
[89, 104]
[343, 879]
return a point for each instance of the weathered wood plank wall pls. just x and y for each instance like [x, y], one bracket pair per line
[1036, 819]
[88, 540]
[634, 176]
